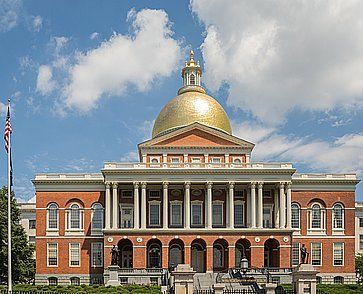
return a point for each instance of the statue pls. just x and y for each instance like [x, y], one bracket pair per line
[303, 254]
[114, 252]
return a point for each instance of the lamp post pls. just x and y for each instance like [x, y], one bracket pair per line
[244, 265]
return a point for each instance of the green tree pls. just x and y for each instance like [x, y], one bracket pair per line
[359, 267]
[23, 266]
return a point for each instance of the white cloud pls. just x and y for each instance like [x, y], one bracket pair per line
[131, 156]
[45, 82]
[280, 55]
[3, 109]
[342, 154]
[37, 23]
[9, 14]
[137, 60]
[94, 35]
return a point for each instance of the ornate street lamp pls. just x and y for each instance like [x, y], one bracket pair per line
[244, 265]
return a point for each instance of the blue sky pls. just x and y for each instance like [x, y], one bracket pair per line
[88, 78]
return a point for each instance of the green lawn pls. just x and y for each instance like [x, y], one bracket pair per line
[336, 288]
[89, 289]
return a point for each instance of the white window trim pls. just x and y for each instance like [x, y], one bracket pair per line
[92, 252]
[200, 203]
[48, 265]
[338, 231]
[179, 203]
[70, 256]
[52, 231]
[298, 254]
[342, 256]
[155, 164]
[239, 202]
[322, 229]
[127, 206]
[154, 202]
[321, 253]
[77, 231]
[299, 207]
[96, 231]
[196, 160]
[234, 158]
[218, 202]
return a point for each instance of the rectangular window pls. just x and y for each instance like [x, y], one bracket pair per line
[74, 254]
[360, 242]
[154, 194]
[316, 253]
[196, 160]
[217, 214]
[267, 222]
[126, 194]
[196, 214]
[175, 160]
[127, 217]
[32, 224]
[238, 215]
[338, 254]
[361, 222]
[52, 254]
[176, 214]
[96, 255]
[238, 194]
[154, 214]
[295, 254]
[216, 160]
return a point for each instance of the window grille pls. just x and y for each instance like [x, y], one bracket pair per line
[196, 214]
[53, 216]
[338, 216]
[176, 213]
[295, 216]
[97, 216]
[238, 215]
[96, 252]
[338, 254]
[52, 254]
[316, 217]
[154, 214]
[217, 214]
[295, 255]
[74, 252]
[316, 253]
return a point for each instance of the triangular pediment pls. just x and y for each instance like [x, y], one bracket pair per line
[197, 135]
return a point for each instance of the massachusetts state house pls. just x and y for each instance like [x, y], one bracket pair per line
[196, 197]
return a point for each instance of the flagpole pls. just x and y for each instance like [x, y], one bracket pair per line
[10, 286]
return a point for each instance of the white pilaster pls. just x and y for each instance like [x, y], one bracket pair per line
[260, 205]
[288, 205]
[136, 205]
[165, 205]
[282, 206]
[187, 205]
[108, 206]
[248, 158]
[143, 205]
[209, 205]
[248, 209]
[144, 158]
[114, 206]
[253, 205]
[276, 207]
[231, 205]
[206, 159]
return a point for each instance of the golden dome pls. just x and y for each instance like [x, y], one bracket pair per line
[191, 105]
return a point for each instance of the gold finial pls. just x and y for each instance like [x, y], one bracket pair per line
[191, 54]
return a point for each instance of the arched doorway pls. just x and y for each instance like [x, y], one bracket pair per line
[199, 251]
[220, 255]
[242, 249]
[176, 252]
[272, 253]
[154, 254]
[125, 253]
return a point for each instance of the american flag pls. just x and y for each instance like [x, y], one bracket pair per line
[8, 130]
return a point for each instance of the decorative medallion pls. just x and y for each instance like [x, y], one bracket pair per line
[220, 237]
[110, 239]
[217, 193]
[243, 237]
[198, 237]
[257, 239]
[196, 192]
[286, 239]
[138, 239]
[271, 237]
[125, 237]
[176, 237]
[176, 193]
[154, 237]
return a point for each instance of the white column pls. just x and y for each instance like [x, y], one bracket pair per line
[253, 205]
[143, 205]
[108, 206]
[231, 205]
[136, 205]
[114, 206]
[248, 208]
[248, 157]
[260, 205]
[165, 205]
[209, 205]
[187, 205]
[288, 205]
[282, 206]
[276, 207]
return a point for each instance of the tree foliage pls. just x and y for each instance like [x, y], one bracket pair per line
[23, 266]
[359, 267]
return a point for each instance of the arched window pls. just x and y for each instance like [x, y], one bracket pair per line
[338, 280]
[97, 216]
[338, 216]
[295, 216]
[237, 161]
[75, 281]
[154, 254]
[52, 215]
[175, 255]
[316, 216]
[192, 79]
[218, 256]
[52, 281]
[74, 217]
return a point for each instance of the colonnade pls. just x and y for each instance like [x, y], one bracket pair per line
[254, 207]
